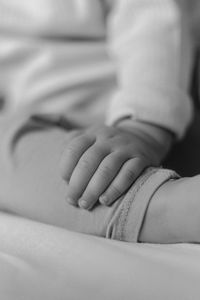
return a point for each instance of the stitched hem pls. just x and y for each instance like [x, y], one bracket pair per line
[127, 221]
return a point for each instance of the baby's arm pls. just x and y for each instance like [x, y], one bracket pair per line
[146, 41]
[101, 163]
[151, 47]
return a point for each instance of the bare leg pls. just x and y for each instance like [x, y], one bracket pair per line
[174, 213]
[31, 187]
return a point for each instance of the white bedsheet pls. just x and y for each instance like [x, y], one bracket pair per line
[39, 261]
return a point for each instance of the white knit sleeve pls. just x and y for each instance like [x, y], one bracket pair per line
[150, 45]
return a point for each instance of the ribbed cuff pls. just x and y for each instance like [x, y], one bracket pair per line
[127, 221]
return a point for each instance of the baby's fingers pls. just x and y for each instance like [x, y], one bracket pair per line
[125, 178]
[101, 179]
[71, 155]
[84, 170]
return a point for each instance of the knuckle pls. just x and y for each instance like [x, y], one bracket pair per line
[114, 191]
[142, 162]
[130, 174]
[105, 172]
[106, 132]
[121, 156]
[109, 132]
[101, 148]
[86, 138]
[85, 164]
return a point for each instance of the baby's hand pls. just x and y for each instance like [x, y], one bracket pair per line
[100, 164]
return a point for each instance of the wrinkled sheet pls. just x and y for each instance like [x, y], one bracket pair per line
[39, 261]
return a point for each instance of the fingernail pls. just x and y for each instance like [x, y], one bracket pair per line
[71, 201]
[83, 204]
[103, 199]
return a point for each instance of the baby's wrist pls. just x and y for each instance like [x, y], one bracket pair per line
[158, 135]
